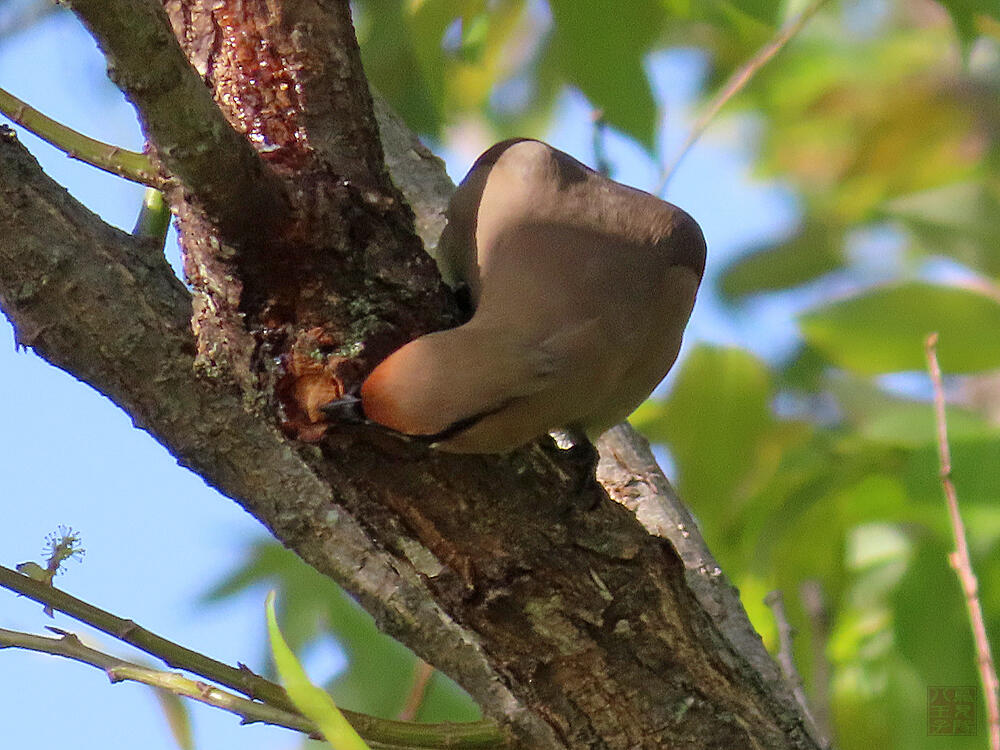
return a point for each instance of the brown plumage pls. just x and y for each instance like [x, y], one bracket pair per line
[582, 289]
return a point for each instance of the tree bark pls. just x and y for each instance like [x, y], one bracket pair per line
[578, 612]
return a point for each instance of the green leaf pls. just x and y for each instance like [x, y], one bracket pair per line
[907, 697]
[409, 80]
[474, 38]
[153, 221]
[932, 627]
[886, 420]
[313, 608]
[314, 703]
[35, 572]
[883, 330]
[178, 717]
[816, 250]
[765, 13]
[712, 421]
[427, 23]
[911, 424]
[856, 123]
[446, 701]
[805, 370]
[975, 472]
[959, 220]
[600, 50]
[371, 655]
[968, 15]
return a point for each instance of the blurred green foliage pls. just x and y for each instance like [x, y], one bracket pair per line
[312, 701]
[879, 116]
[311, 610]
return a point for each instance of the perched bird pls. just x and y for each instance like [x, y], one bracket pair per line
[582, 288]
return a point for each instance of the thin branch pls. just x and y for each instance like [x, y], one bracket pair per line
[467, 735]
[422, 673]
[250, 711]
[786, 658]
[959, 559]
[153, 221]
[814, 603]
[118, 161]
[69, 646]
[629, 472]
[172, 654]
[736, 83]
[192, 137]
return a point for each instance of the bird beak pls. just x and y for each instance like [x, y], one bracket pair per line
[346, 409]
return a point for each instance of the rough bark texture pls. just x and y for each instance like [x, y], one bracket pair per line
[107, 308]
[179, 115]
[578, 613]
[302, 318]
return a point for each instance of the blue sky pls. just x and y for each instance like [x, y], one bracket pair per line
[155, 535]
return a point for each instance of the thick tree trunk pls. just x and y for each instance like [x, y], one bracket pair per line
[578, 612]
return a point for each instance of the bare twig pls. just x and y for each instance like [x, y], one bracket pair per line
[172, 654]
[959, 559]
[192, 137]
[786, 658]
[250, 711]
[422, 672]
[737, 81]
[814, 603]
[118, 161]
[69, 646]
[468, 735]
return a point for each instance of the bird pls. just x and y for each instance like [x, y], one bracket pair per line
[581, 288]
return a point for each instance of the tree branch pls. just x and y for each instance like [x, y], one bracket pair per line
[118, 161]
[252, 685]
[422, 673]
[736, 83]
[103, 306]
[69, 646]
[539, 608]
[959, 559]
[335, 105]
[786, 655]
[516, 575]
[631, 476]
[348, 276]
[814, 603]
[240, 193]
